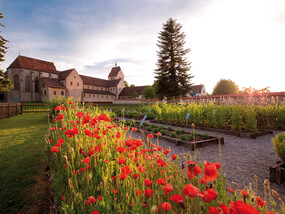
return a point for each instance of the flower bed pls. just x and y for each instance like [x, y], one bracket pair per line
[96, 168]
[260, 132]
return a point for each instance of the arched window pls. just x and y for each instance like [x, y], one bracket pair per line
[36, 84]
[27, 84]
[16, 82]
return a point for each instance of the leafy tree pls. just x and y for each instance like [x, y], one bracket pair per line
[254, 90]
[225, 87]
[149, 92]
[132, 85]
[135, 95]
[5, 82]
[126, 84]
[172, 65]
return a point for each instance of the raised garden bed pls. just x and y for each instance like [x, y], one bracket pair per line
[199, 142]
[277, 173]
[260, 132]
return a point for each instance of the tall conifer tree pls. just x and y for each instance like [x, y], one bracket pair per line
[5, 82]
[172, 65]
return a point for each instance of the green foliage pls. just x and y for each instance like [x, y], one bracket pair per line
[183, 137]
[236, 117]
[163, 132]
[182, 131]
[172, 65]
[149, 92]
[210, 114]
[170, 128]
[220, 117]
[178, 131]
[160, 128]
[205, 136]
[149, 128]
[173, 134]
[279, 145]
[155, 130]
[150, 115]
[251, 122]
[134, 95]
[145, 124]
[225, 87]
[5, 82]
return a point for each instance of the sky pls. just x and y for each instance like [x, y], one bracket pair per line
[241, 40]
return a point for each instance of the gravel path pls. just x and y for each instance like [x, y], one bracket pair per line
[242, 158]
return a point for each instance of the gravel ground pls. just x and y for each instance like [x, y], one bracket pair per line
[242, 158]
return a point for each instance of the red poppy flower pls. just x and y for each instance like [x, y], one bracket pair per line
[123, 176]
[136, 175]
[158, 133]
[95, 212]
[104, 117]
[218, 165]
[160, 181]
[122, 160]
[168, 187]
[86, 160]
[166, 206]
[174, 156]
[71, 132]
[115, 191]
[88, 132]
[225, 209]
[160, 162]
[141, 169]
[134, 129]
[177, 198]
[80, 114]
[60, 117]
[150, 135]
[241, 207]
[119, 135]
[193, 170]
[243, 192]
[214, 210]
[147, 182]
[139, 192]
[92, 199]
[230, 189]
[210, 172]
[190, 190]
[166, 151]
[209, 195]
[121, 149]
[260, 202]
[114, 178]
[148, 193]
[54, 149]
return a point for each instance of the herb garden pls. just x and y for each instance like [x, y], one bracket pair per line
[97, 167]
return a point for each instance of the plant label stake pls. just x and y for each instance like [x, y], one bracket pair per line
[149, 110]
[110, 110]
[187, 117]
[143, 120]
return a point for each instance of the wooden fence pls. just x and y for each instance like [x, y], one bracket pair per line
[10, 109]
[35, 107]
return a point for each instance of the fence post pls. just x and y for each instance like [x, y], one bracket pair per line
[21, 112]
[8, 110]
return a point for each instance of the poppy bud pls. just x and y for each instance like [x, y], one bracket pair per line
[90, 176]
[275, 194]
[182, 167]
[153, 210]
[127, 196]
[181, 204]
[71, 151]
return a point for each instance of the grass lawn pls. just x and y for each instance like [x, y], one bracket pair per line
[22, 163]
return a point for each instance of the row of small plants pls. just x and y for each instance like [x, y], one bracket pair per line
[174, 133]
[97, 168]
[234, 117]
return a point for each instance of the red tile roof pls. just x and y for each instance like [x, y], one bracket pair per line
[128, 91]
[33, 64]
[90, 91]
[64, 74]
[52, 83]
[114, 71]
[99, 82]
[196, 88]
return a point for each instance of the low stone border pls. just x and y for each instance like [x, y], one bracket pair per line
[191, 145]
[277, 173]
[223, 131]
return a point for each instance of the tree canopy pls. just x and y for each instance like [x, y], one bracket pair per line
[5, 82]
[172, 65]
[225, 87]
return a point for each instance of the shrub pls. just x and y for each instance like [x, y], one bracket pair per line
[155, 130]
[150, 116]
[145, 124]
[178, 131]
[236, 117]
[163, 132]
[173, 134]
[183, 137]
[170, 128]
[205, 136]
[192, 135]
[251, 122]
[279, 145]
[149, 128]
[160, 128]
[182, 131]
[152, 126]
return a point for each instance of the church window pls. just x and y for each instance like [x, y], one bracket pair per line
[16, 82]
[27, 84]
[36, 84]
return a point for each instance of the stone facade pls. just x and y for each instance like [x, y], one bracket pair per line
[39, 81]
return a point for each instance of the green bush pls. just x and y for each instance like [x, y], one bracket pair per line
[279, 145]
[251, 122]
[145, 124]
[192, 135]
[183, 137]
[173, 134]
[155, 130]
[236, 117]
[170, 128]
[182, 131]
[150, 116]
[205, 136]
[152, 126]
[163, 132]
[160, 128]
[149, 128]
[178, 131]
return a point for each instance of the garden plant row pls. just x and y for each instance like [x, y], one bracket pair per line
[179, 137]
[239, 120]
[97, 168]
